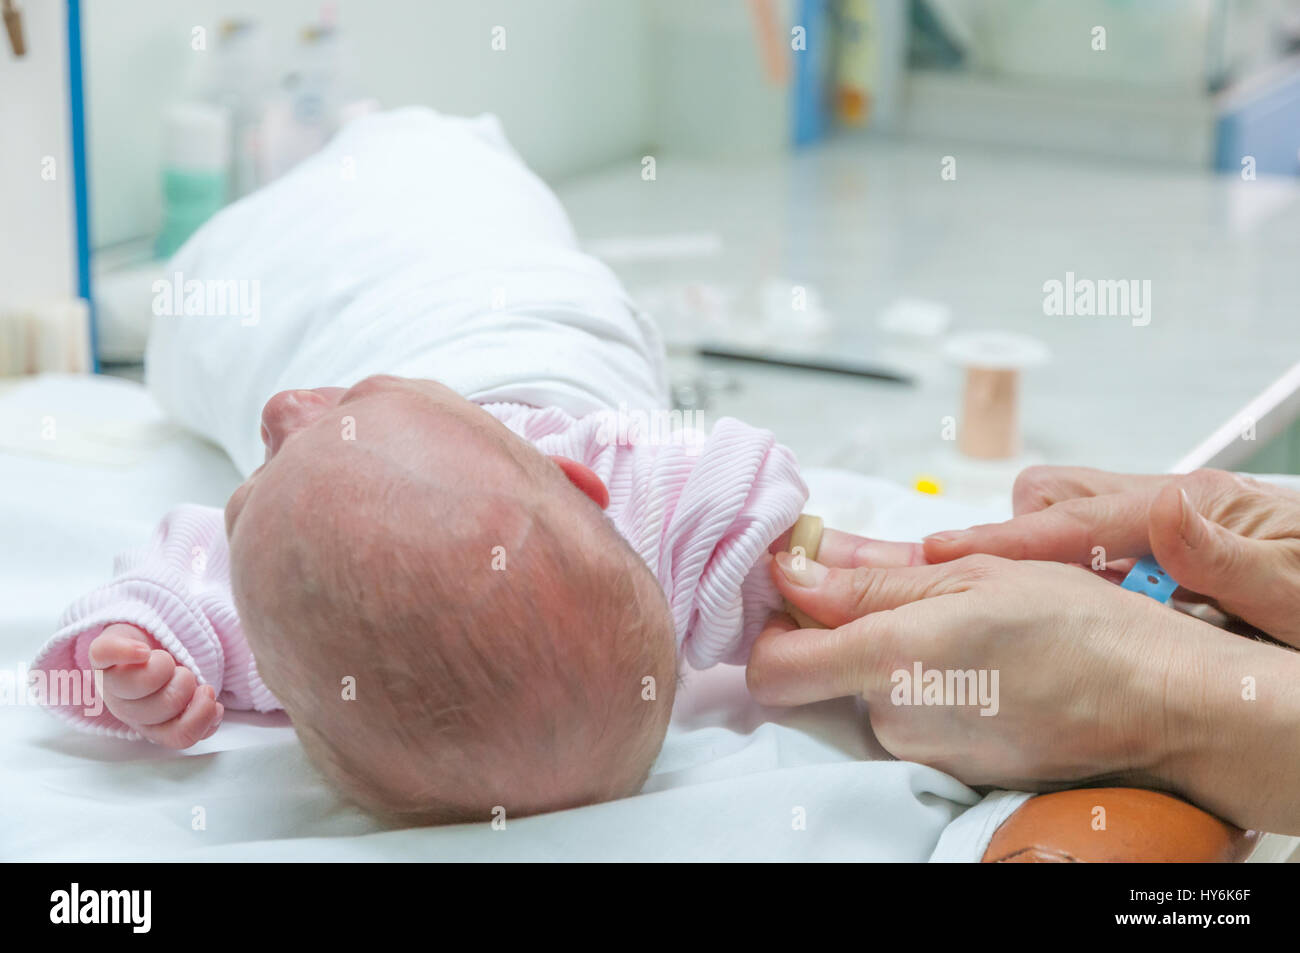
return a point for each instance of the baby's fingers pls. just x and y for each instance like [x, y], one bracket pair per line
[140, 681]
[162, 705]
[199, 719]
[113, 646]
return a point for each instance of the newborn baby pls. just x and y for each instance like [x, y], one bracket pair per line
[463, 596]
[440, 604]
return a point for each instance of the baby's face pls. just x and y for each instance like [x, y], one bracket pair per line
[413, 409]
[363, 549]
[318, 420]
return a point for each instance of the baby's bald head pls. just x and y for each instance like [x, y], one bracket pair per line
[497, 627]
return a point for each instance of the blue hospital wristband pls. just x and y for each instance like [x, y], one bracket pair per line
[1149, 579]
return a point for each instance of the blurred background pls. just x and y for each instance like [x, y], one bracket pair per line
[848, 216]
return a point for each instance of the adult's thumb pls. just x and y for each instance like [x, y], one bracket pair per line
[1238, 572]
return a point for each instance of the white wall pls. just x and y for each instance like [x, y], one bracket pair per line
[37, 243]
[571, 86]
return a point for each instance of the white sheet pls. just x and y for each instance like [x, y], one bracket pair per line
[732, 782]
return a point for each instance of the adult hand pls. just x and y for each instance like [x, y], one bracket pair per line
[1076, 670]
[1092, 681]
[1228, 537]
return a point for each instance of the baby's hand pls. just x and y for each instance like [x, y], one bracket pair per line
[146, 689]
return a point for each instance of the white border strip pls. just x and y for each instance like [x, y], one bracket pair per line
[1266, 406]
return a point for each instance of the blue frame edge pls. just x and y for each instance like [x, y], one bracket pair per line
[80, 178]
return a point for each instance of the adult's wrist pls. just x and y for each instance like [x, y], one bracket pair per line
[1232, 735]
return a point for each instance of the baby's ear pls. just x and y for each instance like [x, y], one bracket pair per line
[585, 479]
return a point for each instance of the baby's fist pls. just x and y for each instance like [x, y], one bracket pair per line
[146, 689]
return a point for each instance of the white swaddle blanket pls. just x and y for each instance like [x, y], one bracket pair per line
[415, 244]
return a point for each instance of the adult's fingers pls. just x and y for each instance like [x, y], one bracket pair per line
[1070, 531]
[1244, 575]
[836, 596]
[792, 666]
[847, 550]
[1109, 526]
[1038, 487]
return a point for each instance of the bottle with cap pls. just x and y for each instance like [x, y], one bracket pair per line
[196, 168]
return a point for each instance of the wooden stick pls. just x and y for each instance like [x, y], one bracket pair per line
[805, 542]
[14, 27]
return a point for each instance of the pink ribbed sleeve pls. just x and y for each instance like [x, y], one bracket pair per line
[701, 511]
[176, 588]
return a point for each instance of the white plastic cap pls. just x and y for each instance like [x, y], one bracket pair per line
[915, 317]
[196, 137]
[995, 350]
